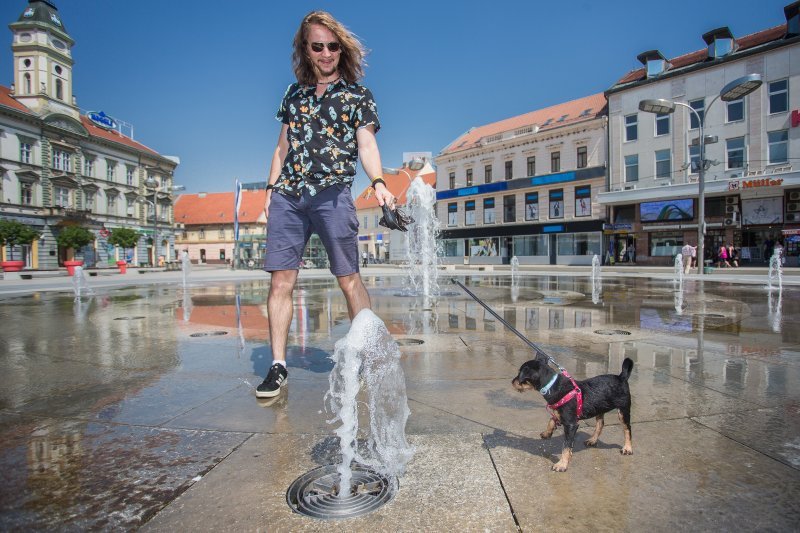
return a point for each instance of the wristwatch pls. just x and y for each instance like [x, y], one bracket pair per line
[270, 186]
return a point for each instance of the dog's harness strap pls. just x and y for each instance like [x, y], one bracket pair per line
[574, 393]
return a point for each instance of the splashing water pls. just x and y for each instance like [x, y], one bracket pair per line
[678, 268]
[186, 266]
[595, 267]
[514, 271]
[775, 271]
[597, 284]
[421, 243]
[80, 285]
[369, 351]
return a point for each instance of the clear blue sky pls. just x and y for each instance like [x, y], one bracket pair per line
[201, 79]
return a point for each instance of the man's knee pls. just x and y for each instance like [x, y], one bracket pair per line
[282, 282]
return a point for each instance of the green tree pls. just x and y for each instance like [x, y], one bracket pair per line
[75, 237]
[13, 233]
[123, 237]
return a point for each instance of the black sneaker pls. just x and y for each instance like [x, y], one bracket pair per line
[276, 378]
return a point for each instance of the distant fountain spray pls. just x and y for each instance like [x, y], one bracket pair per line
[80, 285]
[186, 267]
[421, 244]
[775, 272]
[514, 271]
[597, 284]
[369, 351]
[678, 271]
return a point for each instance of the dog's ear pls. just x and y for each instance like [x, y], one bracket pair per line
[541, 358]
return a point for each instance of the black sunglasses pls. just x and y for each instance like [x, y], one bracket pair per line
[333, 47]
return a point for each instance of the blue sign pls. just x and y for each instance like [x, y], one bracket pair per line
[102, 120]
[553, 229]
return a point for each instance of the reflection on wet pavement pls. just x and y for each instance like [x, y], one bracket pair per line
[110, 407]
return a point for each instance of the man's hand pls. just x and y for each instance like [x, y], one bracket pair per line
[266, 203]
[383, 195]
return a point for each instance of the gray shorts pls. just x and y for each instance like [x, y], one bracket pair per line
[330, 214]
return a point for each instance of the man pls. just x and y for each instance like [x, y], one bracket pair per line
[688, 252]
[329, 121]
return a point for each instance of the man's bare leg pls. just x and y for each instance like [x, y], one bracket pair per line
[355, 293]
[279, 307]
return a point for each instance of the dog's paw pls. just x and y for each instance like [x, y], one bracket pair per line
[545, 435]
[590, 443]
[559, 467]
[626, 451]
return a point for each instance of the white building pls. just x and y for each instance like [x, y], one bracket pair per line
[526, 186]
[752, 181]
[60, 167]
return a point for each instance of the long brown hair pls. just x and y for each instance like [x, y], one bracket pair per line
[351, 60]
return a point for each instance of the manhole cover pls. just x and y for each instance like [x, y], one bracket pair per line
[209, 334]
[129, 318]
[315, 493]
[409, 342]
[612, 332]
[709, 315]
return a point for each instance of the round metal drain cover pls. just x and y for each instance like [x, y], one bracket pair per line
[612, 332]
[129, 318]
[409, 342]
[209, 334]
[709, 315]
[315, 493]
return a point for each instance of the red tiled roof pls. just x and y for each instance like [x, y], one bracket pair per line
[8, 101]
[595, 104]
[217, 207]
[397, 184]
[698, 56]
[113, 135]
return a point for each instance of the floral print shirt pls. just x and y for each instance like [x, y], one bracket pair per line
[323, 150]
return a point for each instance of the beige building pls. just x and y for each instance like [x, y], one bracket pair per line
[526, 186]
[752, 179]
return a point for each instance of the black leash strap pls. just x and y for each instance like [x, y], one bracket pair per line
[530, 343]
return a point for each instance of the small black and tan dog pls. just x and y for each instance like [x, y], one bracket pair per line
[600, 395]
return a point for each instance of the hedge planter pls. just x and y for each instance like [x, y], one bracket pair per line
[12, 266]
[71, 266]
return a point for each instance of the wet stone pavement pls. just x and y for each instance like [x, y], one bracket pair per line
[134, 408]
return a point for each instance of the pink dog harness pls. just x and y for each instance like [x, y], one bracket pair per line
[575, 392]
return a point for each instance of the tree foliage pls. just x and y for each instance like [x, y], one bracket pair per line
[75, 237]
[123, 237]
[13, 233]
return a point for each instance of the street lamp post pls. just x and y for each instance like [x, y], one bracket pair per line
[734, 90]
[151, 183]
[416, 163]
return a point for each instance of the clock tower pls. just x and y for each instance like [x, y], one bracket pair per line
[43, 61]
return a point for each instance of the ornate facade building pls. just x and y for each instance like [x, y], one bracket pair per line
[61, 167]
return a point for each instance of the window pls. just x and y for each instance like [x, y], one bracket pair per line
[376, 221]
[532, 245]
[631, 127]
[531, 166]
[509, 208]
[631, 168]
[130, 204]
[88, 167]
[488, 211]
[59, 89]
[555, 162]
[583, 157]
[201, 234]
[700, 107]
[221, 235]
[735, 110]
[778, 146]
[24, 152]
[694, 159]
[779, 96]
[664, 244]
[222, 254]
[26, 193]
[557, 203]
[452, 179]
[111, 167]
[583, 201]
[62, 160]
[469, 213]
[27, 84]
[532, 206]
[735, 152]
[662, 124]
[62, 197]
[509, 170]
[366, 219]
[90, 196]
[129, 176]
[452, 214]
[112, 203]
[487, 174]
[663, 164]
[469, 177]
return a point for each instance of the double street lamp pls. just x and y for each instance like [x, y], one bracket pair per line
[416, 163]
[734, 90]
[151, 183]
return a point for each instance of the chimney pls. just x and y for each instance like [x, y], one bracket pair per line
[201, 194]
[792, 12]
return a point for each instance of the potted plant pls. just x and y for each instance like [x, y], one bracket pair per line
[124, 238]
[74, 237]
[13, 233]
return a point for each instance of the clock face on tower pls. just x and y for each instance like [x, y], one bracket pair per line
[58, 44]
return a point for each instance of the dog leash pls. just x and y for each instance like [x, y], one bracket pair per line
[535, 348]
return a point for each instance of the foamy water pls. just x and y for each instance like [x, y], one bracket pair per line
[369, 352]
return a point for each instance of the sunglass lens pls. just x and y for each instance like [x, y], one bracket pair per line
[333, 47]
[317, 47]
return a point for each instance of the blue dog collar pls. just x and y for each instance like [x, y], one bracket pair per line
[546, 388]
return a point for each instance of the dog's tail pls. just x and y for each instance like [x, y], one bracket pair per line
[627, 366]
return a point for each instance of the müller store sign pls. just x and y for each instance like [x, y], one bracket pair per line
[754, 183]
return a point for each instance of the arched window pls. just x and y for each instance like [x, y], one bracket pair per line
[59, 89]
[27, 83]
